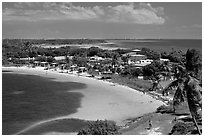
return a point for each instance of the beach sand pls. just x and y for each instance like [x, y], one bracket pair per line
[102, 99]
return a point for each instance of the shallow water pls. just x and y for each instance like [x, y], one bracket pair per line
[28, 98]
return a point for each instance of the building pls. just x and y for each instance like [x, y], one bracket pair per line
[44, 64]
[95, 58]
[60, 58]
[132, 53]
[27, 59]
[142, 63]
[82, 69]
[37, 63]
[136, 58]
[146, 61]
[164, 60]
[54, 65]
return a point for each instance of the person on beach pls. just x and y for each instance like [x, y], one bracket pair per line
[174, 120]
[150, 124]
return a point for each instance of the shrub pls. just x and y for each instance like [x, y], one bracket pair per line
[165, 109]
[182, 128]
[100, 127]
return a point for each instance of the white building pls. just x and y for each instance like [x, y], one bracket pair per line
[146, 61]
[60, 58]
[164, 60]
[142, 63]
[95, 58]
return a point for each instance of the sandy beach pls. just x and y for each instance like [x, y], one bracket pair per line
[102, 99]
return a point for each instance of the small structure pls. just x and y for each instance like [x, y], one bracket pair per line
[133, 52]
[27, 59]
[44, 64]
[146, 61]
[136, 57]
[60, 58]
[95, 58]
[36, 63]
[106, 72]
[62, 65]
[82, 69]
[73, 68]
[164, 60]
[53, 65]
[140, 77]
[142, 63]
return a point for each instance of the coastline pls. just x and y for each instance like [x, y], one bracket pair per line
[110, 108]
[104, 46]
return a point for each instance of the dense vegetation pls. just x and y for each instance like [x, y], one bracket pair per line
[54, 41]
[100, 127]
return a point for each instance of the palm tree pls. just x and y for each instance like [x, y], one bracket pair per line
[187, 86]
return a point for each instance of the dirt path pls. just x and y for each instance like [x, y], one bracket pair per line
[161, 125]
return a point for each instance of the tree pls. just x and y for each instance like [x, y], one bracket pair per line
[176, 56]
[150, 53]
[151, 69]
[80, 61]
[93, 51]
[124, 59]
[135, 72]
[41, 58]
[188, 86]
[50, 59]
[194, 62]
[114, 59]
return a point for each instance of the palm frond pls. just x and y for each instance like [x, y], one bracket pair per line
[179, 96]
[172, 84]
[194, 96]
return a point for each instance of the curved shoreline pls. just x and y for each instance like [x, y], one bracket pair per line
[110, 101]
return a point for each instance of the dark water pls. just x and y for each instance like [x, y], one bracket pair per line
[28, 98]
[161, 45]
[62, 126]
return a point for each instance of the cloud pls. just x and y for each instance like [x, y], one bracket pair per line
[140, 13]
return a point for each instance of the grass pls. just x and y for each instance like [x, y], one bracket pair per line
[138, 84]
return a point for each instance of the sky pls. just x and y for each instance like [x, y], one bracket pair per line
[104, 20]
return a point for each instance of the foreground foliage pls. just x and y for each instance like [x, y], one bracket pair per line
[188, 86]
[100, 127]
[182, 128]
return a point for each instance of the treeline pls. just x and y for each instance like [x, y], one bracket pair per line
[52, 41]
[16, 48]
[23, 49]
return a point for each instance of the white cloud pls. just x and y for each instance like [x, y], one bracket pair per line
[142, 13]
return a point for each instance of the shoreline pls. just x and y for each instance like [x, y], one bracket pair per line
[104, 46]
[82, 112]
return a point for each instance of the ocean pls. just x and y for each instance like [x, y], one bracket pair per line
[30, 98]
[158, 44]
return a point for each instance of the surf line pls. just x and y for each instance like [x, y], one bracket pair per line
[43, 122]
